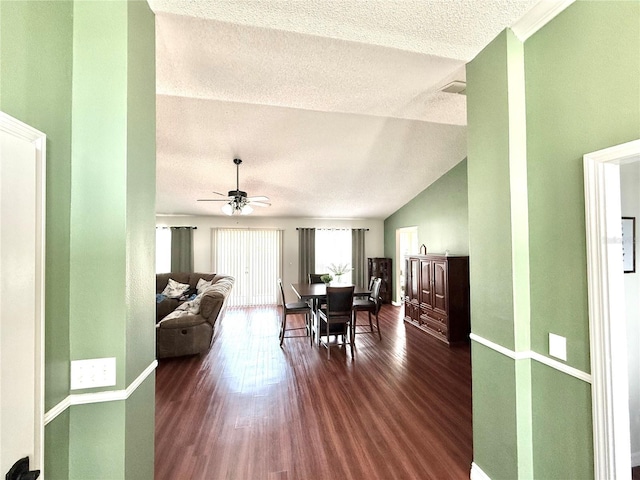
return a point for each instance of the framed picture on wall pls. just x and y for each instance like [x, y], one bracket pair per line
[629, 244]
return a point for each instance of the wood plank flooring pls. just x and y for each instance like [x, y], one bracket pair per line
[250, 410]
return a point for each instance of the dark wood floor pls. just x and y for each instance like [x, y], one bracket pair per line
[250, 410]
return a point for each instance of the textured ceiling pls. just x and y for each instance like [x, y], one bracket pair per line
[333, 106]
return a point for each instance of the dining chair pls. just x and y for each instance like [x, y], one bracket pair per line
[369, 305]
[337, 318]
[316, 277]
[369, 288]
[297, 308]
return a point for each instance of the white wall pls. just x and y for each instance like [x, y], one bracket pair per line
[374, 239]
[630, 195]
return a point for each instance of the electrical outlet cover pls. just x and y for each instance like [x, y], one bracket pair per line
[93, 373]
[558, 346]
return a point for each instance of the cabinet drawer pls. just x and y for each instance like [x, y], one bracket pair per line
[436, 326]
[439, 316]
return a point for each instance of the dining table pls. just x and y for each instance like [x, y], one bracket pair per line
[316, 292]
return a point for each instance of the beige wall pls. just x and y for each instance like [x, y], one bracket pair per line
[374, 240]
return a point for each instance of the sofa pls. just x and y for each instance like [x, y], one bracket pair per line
[185, 324]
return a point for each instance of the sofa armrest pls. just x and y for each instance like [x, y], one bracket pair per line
[181, 321]
[214, 297]
[165, 307]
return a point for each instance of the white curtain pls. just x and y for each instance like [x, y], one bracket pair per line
[254, 258]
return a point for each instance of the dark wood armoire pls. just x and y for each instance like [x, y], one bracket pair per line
[437, 296]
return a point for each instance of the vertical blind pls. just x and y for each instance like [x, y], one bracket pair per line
[254, 258]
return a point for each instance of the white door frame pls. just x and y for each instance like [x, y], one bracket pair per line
[607, 325]
[397, 298]
[38, 139]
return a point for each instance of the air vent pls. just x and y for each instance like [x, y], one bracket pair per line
[455, 87]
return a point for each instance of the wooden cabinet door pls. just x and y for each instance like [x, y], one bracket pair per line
[439, 287]
[407, 279]
[414, 286]
[426, 283]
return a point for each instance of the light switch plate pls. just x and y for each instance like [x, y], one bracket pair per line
[558, 346]
[92, 373]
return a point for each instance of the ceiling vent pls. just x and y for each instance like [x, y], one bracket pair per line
[456, 86]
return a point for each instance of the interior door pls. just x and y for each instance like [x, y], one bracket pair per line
[21, 294]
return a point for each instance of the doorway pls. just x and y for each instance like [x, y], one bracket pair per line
[406, 243]
[607, 325]
[22, 197]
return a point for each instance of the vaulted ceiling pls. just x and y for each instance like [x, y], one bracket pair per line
[334, 106]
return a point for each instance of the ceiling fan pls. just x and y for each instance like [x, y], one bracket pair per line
[237, 201]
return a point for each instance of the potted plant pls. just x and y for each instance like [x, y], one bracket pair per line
[339, 270]
[326, 278]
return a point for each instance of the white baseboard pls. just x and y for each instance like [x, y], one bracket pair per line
[99, 397]
[477, 473]
[635, 459]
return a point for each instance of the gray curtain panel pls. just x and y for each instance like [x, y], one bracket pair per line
[306, 253]
[182, 249]
[359, 274]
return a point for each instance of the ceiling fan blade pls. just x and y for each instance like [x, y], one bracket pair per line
[259, 204]
[221, 194]
[213, 199]
[258, 199]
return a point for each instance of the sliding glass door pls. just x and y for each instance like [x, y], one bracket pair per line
[254, 258]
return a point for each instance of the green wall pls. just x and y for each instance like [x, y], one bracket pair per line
[98, 188]
[140, 348]
[601, 109]
[440, 212]
[84, 73]
[494, 400]
[527, 227]
[141, 188]
[35, 87]
[490, 269]
[499, 258]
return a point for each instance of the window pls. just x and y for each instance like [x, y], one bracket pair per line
[333, 247]
[254, 259]
[163, 250]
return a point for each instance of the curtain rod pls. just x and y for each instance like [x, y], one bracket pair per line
[365, 229]
[165, 226]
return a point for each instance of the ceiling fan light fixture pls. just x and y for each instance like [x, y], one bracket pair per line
[235, 207]
[227, 209]
[237, 202]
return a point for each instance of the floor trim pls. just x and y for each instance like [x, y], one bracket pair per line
[99, 397]
[477, 473]
[561, 367]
